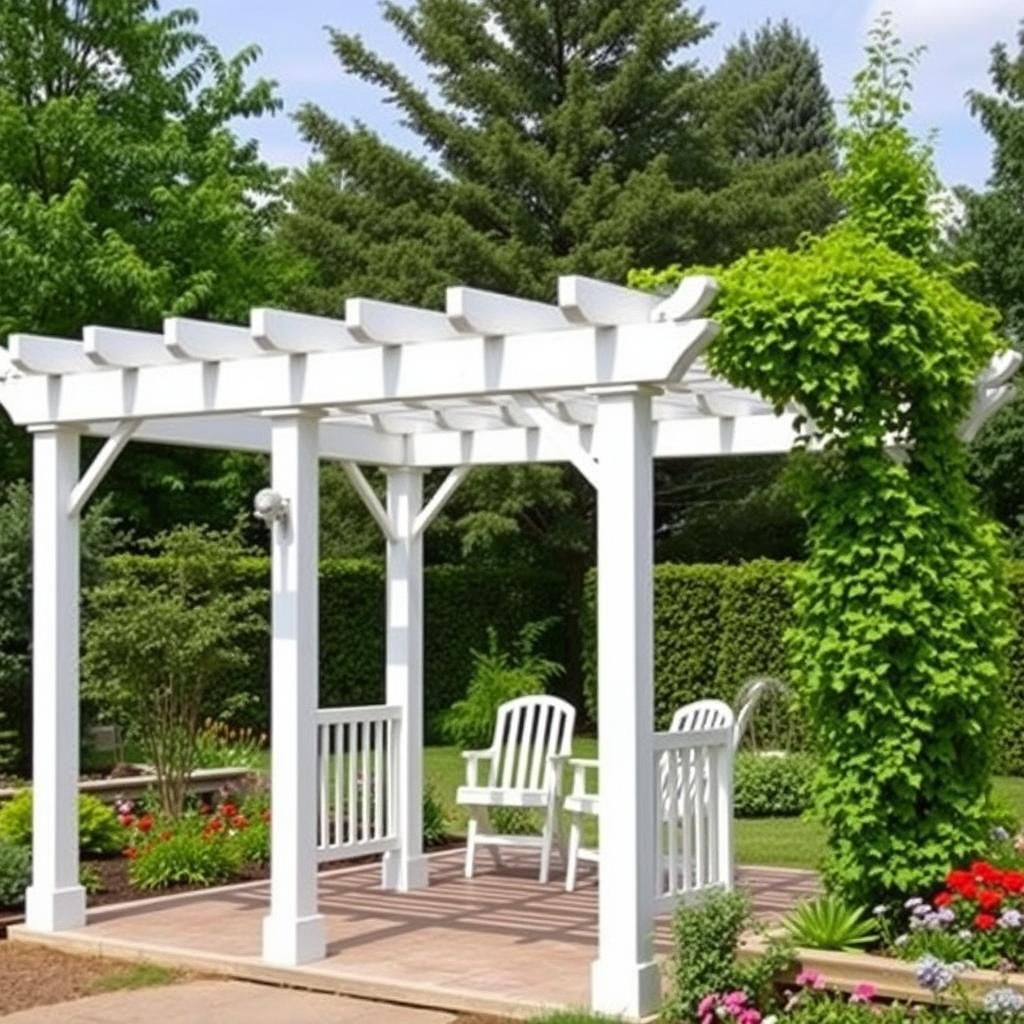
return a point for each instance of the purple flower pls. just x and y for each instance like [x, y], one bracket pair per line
[933, 974]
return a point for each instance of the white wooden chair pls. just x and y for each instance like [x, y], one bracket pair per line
[581, 801]
[532, 742]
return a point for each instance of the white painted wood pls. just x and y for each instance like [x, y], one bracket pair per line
[567, 438]
[625, 979]
[693, 841]
[101, 465]
[692, 297]
[583, 800]
[580, 357]
[114, 347]
[369, 498]
[440, 498]
[585, 300]
[278, 331]
[55, 901]
[472, 311]
[406, 868]
[358, 781]
[294, 933]
[206, 341]
[387, 323]
[37, 354]
[535, 731]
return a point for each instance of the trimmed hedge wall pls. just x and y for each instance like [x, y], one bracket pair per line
[715, 626]
[460, 603]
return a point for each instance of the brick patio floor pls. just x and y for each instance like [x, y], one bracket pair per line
[501, 943]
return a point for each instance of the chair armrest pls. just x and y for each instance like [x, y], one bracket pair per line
[473, 759]
[579, 767]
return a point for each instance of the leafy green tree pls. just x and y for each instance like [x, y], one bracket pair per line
[158, 644]
[101, 536]
[126, 196]
[993, 232]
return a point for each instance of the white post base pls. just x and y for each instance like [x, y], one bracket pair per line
[295, 942]
[404, 874]
[625, 990]
[55, 910]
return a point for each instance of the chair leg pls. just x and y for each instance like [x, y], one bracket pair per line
[471, 842]
[574, 853]
[547, 841]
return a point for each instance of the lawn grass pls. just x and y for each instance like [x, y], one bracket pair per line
[773, 842]
[124, 979]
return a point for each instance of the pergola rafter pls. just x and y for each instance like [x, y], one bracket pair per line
[607, 379]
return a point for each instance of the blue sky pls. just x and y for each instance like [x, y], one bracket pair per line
[958, 34]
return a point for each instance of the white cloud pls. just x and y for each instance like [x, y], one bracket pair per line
[926, 21]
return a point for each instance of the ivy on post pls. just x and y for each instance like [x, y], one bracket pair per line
[898, 650]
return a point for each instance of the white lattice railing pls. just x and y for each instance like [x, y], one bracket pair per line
[693, 847]
[357, 770]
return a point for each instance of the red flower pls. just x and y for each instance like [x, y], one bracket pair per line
[228, 810]
[205, 809]
[989, 899]
[126, 819]
[943, 899]
[1013, 881]
[215, 825]
[131, 853]
[984, 872]
[985, 922]
[145, 823]
[239, 821]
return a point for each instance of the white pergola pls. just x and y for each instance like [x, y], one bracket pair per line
[607, 380]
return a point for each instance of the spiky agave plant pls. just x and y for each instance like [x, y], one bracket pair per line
[830, 922]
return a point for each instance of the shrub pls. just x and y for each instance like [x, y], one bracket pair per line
[829, 922]
[706, 937]
[220, 745]
[15, 873]
[152, 652]
[98, 829]
[769, 785]
[435, 825]
[498, 676]
[186, 857]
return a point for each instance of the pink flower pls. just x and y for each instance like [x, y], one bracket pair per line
[863, 993]
[811, 979]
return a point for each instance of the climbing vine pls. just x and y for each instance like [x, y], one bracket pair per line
[898, 650]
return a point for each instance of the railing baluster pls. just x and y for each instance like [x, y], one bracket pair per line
[364, 788]
[378, 776]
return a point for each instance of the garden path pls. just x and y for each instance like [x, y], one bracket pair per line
[227, 1002]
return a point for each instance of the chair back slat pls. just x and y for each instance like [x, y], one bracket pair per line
[527, 731]
[702, 714]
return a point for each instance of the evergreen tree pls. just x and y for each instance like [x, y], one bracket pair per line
[564, 136]
[783, 107]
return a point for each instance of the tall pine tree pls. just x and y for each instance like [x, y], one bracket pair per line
[565, 135]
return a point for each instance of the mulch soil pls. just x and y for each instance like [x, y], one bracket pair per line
[32, 976]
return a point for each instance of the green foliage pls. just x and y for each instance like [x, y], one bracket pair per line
[498, 676]
[100, 537]
[706, 937]
[829, 922]
[715, 626]
[90, 879]
[220, 745]
[772, 786]
[98, 830]
[993, 231]
[15, 872]
[435, 824]
[154, 651]
[187, 857]
[901, 634]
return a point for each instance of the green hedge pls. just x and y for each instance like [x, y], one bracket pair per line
[715, 626]
[460, 603]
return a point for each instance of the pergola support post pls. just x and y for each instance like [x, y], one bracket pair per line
[625, 978]
[55, 901]
[406, 868]
[294, 932]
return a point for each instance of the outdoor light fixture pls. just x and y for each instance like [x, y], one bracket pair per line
[270, 506]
